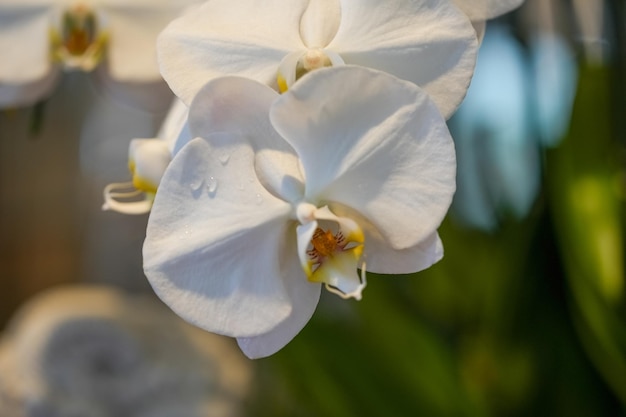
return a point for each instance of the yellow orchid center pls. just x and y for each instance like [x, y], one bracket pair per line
[312, 59]
[78, 40]
[333, 260]
[79, 29]
[324, 243]
[147, 161]
[139, 182]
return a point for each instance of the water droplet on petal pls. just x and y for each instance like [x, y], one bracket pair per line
[259, 199]
[211, 186]
[224, 158]
[196, 184]
[185, 233]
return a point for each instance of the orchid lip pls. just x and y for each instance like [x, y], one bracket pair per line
[148, 159]
[124, 198]
[330, 250]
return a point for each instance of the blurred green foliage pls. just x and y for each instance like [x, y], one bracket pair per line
[587, 189]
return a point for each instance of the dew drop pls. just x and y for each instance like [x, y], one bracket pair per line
[211, 186]
[185, 233]
[196, 184]
[224, 158]
[259, 199]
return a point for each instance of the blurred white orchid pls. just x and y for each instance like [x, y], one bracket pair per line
[96, 351]
[498, 154]
[555, 77]
[39, 38]
[520, 101]
[147, 161]
[277, 194]
[428, 42]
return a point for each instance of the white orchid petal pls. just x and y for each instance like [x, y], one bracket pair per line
[213, 252]
[486, 9]
[480, 26]
[379, 257]
[239, 105]
[17, 95]
[334, 57]
[430, 43]
[183, 138]
[382, 259]
[246, 37]
[13, 4]
[174, 124]
[304, 297]
[286, 74]
[320, 22]
[133, 29]
[175, 129]
[381, 147]
[22, 24]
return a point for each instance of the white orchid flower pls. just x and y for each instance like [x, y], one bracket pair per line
[428, 42]
[38, 38]
[147, 161]
[277, 194]
[479, 11]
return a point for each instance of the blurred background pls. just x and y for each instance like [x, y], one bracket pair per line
[524, 316]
